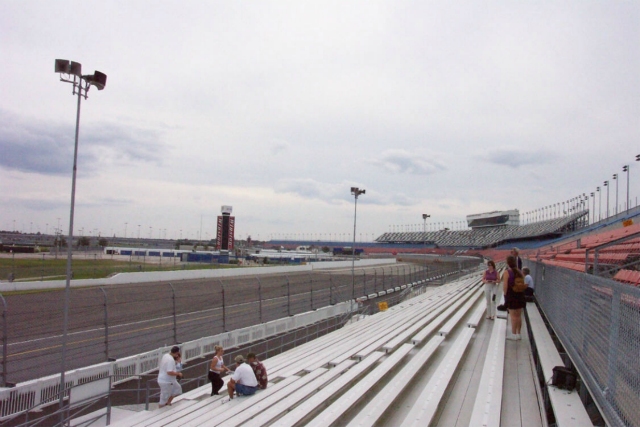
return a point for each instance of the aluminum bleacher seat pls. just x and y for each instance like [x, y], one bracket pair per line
[488, 403]
[567, 407]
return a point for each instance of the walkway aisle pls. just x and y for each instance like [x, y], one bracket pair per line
[520, 406]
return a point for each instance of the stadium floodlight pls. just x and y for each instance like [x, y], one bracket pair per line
[355, 191]
[71, 72]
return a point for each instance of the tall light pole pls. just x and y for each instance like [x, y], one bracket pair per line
[615, 176]
[125, 230]
[606, 184]
[424, 237]
[599, 203]
[625, 168]
[355, 191]
[593, 211]
[71, 72]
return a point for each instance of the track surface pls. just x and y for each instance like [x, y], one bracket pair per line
[120, 321]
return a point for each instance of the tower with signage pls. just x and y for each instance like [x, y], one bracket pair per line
[225, 233]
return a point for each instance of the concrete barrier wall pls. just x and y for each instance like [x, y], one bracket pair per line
[168, 276]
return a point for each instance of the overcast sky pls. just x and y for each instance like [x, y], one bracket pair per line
[277, 108]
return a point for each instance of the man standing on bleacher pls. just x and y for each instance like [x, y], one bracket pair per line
[168, 377]
[243, 381]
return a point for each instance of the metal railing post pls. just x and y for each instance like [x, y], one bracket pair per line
[175, 319]
[4, 341]
[106, 324]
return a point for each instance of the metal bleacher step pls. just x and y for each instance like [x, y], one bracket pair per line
[488, 403]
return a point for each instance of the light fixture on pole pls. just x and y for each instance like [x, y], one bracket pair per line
[355, 191]
[71, 72]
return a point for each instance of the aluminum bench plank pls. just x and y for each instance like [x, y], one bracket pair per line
[488, 403]
[377, 406]
[310, 405]
[251, 409]
[358, 390]
[427, 403]
[455, 319]
[567, 406]
[476, 317]
[263, 415]
[432, 320]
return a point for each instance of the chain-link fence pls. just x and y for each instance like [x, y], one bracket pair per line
[598, 322]
[112, 322]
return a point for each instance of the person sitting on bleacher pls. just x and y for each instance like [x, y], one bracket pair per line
[243, 381]
[528, 293]
[258, 369]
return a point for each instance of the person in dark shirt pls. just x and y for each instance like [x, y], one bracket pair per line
[258, 369]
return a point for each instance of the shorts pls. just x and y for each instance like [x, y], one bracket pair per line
[169, 389]
[245, 390]
[515, 303]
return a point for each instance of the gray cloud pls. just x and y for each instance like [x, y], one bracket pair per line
[338, 193]
[516, 157]
[40, 147]
[403, 161]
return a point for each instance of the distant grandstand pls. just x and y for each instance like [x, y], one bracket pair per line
[490, 236]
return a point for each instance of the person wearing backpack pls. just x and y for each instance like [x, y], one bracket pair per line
[513, 287]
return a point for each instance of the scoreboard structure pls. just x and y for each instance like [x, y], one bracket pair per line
[225, 233]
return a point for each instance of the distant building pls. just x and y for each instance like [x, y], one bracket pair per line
[494, 219]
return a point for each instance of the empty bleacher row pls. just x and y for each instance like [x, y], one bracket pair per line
[618, 253]
[484, 237]
[362, 373]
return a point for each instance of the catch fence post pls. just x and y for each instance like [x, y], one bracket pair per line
[311, 290]
[375, 279]
[4, 341]
[106, 324]
[224, 310]
[259, 298]
[288, 296]
[364, 282]
[175, 320]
